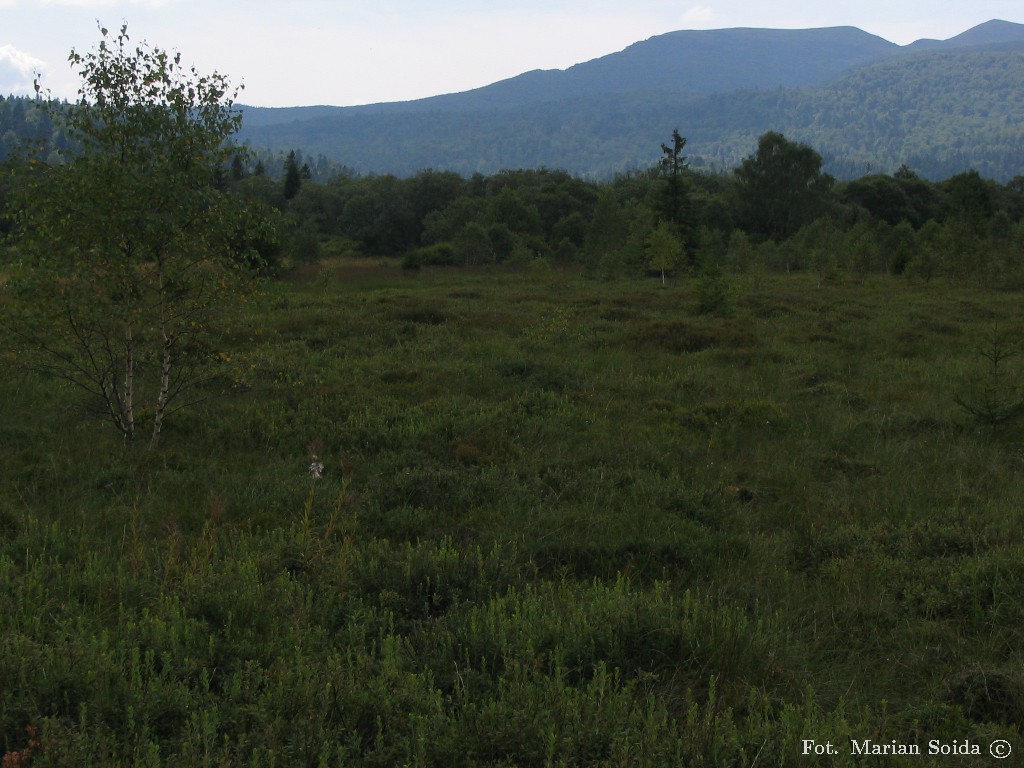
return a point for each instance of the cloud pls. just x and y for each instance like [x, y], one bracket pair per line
[696, 16]
[18, 70]
[25, 63]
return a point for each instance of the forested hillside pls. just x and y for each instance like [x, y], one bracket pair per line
[938, 113]
[941, 113]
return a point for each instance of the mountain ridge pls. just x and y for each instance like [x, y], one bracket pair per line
[598, 103]
[509, 91]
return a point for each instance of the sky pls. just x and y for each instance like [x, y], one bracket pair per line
[339, 52]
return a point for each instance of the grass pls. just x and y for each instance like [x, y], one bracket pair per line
[561, 522]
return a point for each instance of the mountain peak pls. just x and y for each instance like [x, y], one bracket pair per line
[994, 31]
[991, 32]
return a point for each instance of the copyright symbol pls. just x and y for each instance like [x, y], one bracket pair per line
[1000, 749]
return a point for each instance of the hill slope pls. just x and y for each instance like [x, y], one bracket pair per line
[685, 62]
[940, 106]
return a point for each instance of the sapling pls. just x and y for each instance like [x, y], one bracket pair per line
[995, 396]
[664, 249]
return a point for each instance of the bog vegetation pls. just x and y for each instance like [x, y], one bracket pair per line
[526, 470]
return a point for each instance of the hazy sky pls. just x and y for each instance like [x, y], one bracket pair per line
[303, 52]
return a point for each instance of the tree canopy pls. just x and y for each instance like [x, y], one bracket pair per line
[781, 187]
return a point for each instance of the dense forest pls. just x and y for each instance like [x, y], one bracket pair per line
[778, 209]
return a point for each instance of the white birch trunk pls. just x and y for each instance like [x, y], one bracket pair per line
[165, 360]
[128, 398]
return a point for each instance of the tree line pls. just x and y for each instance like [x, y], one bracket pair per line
[777, 208]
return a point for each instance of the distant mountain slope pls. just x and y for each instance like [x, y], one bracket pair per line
[691, 62]
[863, 102]
[685, 62]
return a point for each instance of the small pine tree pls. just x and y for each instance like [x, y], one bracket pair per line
[713, 291]
[237, 167]
[994, 397]
[292, 176]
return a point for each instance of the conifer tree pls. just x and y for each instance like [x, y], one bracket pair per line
[292, 176]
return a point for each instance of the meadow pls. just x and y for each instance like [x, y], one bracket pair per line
[560, 521]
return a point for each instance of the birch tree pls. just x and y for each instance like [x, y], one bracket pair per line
[664, 250]
[123, 249]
